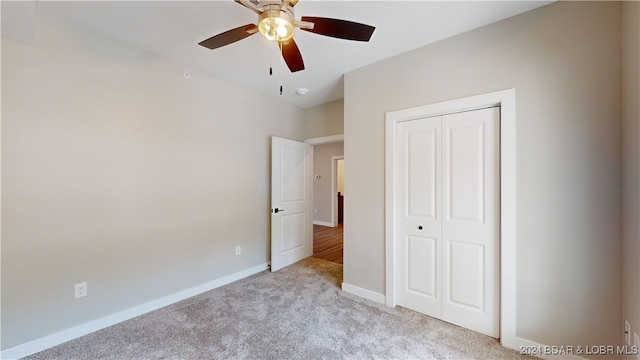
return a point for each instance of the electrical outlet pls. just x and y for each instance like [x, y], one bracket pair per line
[238, 250]
[80, 290]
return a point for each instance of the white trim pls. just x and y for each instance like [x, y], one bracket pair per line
[541, 350]
[325, 139]
[364, 293]
[323, 223]
[63, 336]
[506, 99]
[334, 188]
[508, 219]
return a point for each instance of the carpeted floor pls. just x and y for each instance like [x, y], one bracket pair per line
[296, 313]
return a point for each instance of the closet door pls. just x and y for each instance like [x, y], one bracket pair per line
[470, 224]
[419, 219]
[447, 198]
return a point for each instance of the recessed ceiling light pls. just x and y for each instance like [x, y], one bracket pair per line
[302, 91]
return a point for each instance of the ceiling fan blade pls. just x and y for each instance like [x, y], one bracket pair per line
[229, 36]
[341, 29]
[291, 55]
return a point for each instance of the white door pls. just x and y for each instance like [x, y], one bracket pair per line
[419, 221]
[447, 236]
[291, 202]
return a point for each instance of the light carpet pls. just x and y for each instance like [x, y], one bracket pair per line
[296, 313]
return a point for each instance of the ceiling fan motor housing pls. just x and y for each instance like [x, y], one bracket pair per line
[276, 23]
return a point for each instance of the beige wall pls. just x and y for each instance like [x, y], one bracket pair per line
[325, 120]
[118, 171]
[322, 187]
[564, 62]
[631, 156]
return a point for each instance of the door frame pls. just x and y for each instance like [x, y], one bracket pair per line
[334, 189]
[506, 99]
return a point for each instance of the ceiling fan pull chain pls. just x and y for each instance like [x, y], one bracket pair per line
[281, 61]
[270, 61]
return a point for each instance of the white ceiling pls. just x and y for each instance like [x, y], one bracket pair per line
[173, 29]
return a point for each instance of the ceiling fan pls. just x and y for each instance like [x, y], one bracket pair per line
[276, 22]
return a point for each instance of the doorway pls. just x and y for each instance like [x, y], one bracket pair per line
[328, 240]
[328, 190]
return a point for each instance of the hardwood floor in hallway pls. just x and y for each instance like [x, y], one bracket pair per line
[327, 243]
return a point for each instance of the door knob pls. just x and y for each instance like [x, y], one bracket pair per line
[276, 210]
[420, 227]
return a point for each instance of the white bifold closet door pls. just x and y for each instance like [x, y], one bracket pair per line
[447, 218]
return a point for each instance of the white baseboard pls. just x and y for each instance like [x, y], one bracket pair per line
[323, 223]
[367, 294]
[548, 352]
[63, 336]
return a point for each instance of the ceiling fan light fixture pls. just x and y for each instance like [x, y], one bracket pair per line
[276, 25]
